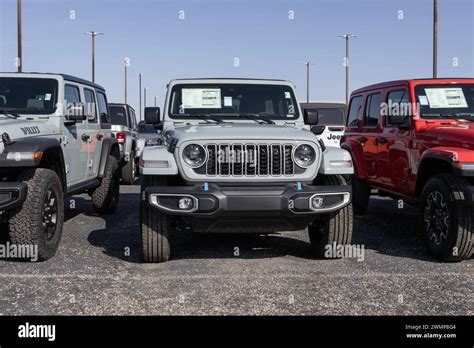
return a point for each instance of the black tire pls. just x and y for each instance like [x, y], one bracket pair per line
[129, 170]
[105, 198]
[360, 195]
[39, 221]
[446, 218]
[331, 228]
[155, 227]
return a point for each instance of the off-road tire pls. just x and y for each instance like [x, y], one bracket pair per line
[25, 225]
[360, 195]
[105, 197]
[458, 244]
[129, 170]
[155, 227]
[336, 227]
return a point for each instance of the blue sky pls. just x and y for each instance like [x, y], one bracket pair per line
[260, 33]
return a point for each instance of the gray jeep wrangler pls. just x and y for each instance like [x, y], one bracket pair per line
[237, 155]
[55, 140]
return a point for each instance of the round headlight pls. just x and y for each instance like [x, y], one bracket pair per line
[304, 155]
[194, 155]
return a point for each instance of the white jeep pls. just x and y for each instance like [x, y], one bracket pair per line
[236, 156]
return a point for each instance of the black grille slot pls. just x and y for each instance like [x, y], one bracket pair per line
[224, 167]
[263, 158]
[211, 166]
[237, 160]
[276, 159]
[251, 160]
[289, 169]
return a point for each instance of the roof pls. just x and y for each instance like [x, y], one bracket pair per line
[64, 76]
[323, 104]
[228, 78]
[393, 83]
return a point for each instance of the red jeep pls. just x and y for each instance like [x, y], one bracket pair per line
[414, 140]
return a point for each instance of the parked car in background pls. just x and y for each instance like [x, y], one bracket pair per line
[148, 135]
[414, 140]
[125, 130]
[55, 141]
[330, 124]
[236, 157]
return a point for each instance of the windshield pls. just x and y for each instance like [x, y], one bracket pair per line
[445, 100]
[227, 101]
[28, 95]
[119, 116]
[146, 129]
[328, 116]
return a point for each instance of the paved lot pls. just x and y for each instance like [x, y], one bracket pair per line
[93, 274]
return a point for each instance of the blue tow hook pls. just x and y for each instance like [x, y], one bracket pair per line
[299, 187]
[205, 187]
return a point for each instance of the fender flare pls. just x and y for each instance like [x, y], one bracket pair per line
[357, 158]
[108, 145]
[32, 144]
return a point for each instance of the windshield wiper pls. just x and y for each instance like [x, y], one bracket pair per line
[9, 113]
[459, 115]
[256, 118]
[205, 117]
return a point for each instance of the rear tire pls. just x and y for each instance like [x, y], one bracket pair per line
[129, 170]
[446, 217]
[105, 198]
[360, 195]
[39, 221]
[331, 228]
[155, 227]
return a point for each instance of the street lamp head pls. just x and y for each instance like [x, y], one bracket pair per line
[347, 36]
[93, 33]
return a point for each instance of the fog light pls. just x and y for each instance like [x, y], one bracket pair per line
[185, 203]
[317, 202]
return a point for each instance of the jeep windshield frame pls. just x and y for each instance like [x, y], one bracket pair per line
[427, 111]
[233, 101]
[28, 95]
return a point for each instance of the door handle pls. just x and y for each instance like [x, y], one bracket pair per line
[85, 137]
[363, 140]
[381, 140]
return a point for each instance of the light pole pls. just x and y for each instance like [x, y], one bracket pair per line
[308, 64]
[126, 64]
[140, 93]
[20, 53]
[346, 62]
[155, 101]
[435, 38]
[144, 98]
[93, 34]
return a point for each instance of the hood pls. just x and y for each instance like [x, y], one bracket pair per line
[21, 128]
[459, 135]
[241, 131]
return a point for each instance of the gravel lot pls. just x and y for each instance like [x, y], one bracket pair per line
[93, 274]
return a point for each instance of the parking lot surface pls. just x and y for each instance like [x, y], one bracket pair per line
[97, 271]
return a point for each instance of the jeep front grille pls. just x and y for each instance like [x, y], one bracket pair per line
[249, 160]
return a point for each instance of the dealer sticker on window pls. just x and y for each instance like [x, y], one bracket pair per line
[201, 98]
[446, 98]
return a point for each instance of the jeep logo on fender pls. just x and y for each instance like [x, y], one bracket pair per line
[334, 137]
[30, 130]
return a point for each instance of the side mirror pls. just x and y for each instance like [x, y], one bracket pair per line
[152, 115]
[311, 117]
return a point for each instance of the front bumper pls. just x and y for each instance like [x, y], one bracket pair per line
[211, 200]
[12, 194]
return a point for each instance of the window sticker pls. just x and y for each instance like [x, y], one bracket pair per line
[47, 96]
[446, 98]
[423, 100]
[201, 98]
[287, 95]
[227, 101]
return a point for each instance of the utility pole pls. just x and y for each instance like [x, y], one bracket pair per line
[19, 62]
[308, 64]
[126, 64]
[346, 37]
[435, 38]
[93, 34]
[140, 93]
